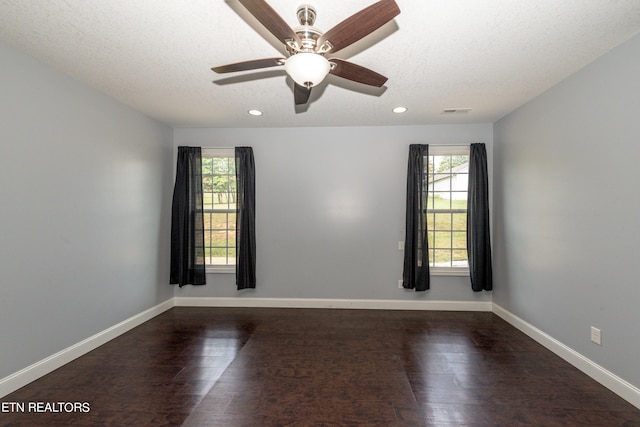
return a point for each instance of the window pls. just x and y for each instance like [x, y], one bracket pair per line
[448, 177]
[219, 200]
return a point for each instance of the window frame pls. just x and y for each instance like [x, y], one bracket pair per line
[446, 150]
[228, 152]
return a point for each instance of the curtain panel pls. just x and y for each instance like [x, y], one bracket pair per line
[187, 221]
[245, 219]
[478, 236]
[415, 273]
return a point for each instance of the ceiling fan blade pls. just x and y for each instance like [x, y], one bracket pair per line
[273, 22]
[359, 25]
[301, 94]
[249, 65]
[350, 71]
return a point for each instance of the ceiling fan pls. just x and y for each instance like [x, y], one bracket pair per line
[307, 46]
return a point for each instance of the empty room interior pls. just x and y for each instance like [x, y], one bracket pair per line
[98, 98]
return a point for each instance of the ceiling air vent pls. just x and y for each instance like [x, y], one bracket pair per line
[455, 110]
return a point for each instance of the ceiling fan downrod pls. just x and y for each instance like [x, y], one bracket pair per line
[307, 34]
[306, 15]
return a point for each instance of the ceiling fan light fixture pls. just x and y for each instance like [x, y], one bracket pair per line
[307, 69]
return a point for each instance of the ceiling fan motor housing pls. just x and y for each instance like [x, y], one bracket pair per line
[306, 32]
[306, 65]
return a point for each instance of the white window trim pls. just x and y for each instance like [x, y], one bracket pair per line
[220, 269]
[219, 152]
[449, 150]
[449, 271]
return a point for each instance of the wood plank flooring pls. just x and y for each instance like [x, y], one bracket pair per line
[310, 367]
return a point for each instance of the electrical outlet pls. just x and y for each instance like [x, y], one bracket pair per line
[400, 284]
[596, 335]
[401, 245]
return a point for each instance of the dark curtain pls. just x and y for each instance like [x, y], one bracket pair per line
[245, 219]
[416, 250]
[478, 239]
[187, 222]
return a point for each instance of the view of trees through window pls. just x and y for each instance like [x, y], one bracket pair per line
[448, 177]
[219, 192]
[446, 208]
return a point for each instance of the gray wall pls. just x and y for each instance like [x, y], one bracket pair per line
[84, 192]
[567, 205]
[330, 210]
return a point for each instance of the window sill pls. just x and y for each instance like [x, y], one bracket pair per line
[223, 269]
[444, 271]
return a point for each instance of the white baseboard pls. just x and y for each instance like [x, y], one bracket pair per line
[31, 373]
[622, 388]
[333, 303]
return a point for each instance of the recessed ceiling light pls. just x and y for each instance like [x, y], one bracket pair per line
[399, 110]
[255, 112]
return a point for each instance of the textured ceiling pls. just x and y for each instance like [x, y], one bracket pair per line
[155, 55]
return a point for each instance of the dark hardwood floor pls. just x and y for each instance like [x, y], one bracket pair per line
[308, 367]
